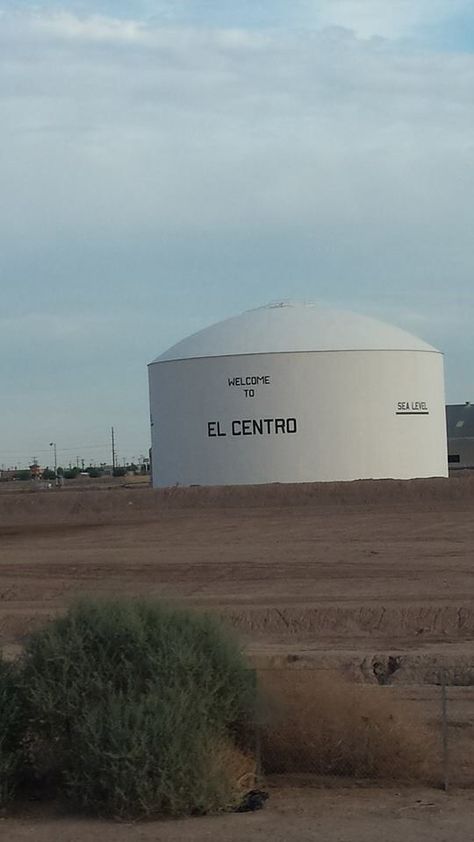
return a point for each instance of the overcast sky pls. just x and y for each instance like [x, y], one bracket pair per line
[168, 163]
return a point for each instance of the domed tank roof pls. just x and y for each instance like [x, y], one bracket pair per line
[288, 327]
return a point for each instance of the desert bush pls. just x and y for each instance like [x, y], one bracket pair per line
[71, 473]
[321, 724]
[13, 720]
[47, 473]
[94, 472]
[138, 701]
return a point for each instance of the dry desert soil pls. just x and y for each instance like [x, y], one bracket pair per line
[292, 815]
[374, 579]
[308, 567]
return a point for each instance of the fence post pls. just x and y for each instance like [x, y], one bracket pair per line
[444, 730]
[258, 751]
[257, 728]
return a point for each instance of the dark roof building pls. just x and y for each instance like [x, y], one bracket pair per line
[460, 425]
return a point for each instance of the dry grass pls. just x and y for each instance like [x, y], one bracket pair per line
[130, 499]
[319, 723]
[237, 771]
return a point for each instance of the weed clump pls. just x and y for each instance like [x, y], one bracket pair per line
[13, 722]
[324, 725]
[139, 709]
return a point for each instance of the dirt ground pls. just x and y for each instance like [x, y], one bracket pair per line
[375, 579]
[338, 567]
[292, 815]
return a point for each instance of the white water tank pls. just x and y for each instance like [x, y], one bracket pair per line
[297, 393]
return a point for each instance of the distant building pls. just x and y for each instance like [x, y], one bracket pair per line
[7, 474]
[460, 424]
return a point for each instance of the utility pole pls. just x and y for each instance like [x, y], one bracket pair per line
[113, 450]
[53, 445]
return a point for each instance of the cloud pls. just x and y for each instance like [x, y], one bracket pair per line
[376, 18]
[116, 129]
[94, 28]
[115, 125]
[46, 326]
[365, 18]
[171, 175]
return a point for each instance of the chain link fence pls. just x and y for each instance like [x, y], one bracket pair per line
[312, 723]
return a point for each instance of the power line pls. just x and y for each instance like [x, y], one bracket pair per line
[105, 445]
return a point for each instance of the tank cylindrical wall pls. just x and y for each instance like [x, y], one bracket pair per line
[341, 415]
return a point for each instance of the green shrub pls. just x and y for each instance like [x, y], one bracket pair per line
[71, 473]
[12, 729]
[94, 473]
[48, 474]
[142, 704]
